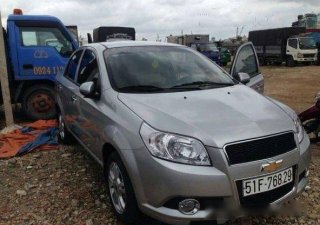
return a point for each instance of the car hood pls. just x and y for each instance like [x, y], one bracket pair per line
[214, 116]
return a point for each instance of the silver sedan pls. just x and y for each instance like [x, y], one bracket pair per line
[179, 138]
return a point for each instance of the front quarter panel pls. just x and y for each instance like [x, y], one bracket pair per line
[121, 127]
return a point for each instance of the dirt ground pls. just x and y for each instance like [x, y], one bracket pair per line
[65, 186]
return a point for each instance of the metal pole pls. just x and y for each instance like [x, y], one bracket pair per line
[4, 81]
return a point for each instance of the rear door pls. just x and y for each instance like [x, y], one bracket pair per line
[67, 90]
[246, 61]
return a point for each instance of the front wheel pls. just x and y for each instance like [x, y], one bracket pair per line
[312, 127]
[38, 102]
[290, 62]
[120, 190]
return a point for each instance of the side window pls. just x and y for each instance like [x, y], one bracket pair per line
[46, 36]
[88, 70]
[72, 66]
[293, 43]
[246, 62]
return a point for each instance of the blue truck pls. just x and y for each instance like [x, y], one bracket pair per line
[37, 48]
[208, 49]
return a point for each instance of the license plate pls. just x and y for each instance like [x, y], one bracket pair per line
[267, 183]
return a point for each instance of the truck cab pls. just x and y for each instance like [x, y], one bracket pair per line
[38, 48]
[301, 50]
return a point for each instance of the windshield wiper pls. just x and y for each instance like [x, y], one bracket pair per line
[139, 88]
[202, 84]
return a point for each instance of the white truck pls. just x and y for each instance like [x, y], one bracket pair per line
[287, 44]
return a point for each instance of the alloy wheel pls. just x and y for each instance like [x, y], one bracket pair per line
[61, 128]
[117, 188]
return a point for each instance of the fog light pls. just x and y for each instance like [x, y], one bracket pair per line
[189, 206]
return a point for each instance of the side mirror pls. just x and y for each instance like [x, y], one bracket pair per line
[87, 89]
[243, 77]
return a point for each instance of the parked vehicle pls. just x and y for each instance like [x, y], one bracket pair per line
[37, 48]
[177, 136]
[208, 49]
[199, 42]
[225, 56]
[310, 118]
[275, 46]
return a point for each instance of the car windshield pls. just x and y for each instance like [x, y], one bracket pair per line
[162, 68]
[307, 43]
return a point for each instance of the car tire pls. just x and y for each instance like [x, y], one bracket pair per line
[290, 62]
[38, 102]
[64, 136]
[120, 190]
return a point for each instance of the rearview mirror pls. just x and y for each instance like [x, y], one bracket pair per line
[243, 77]
[87, 89]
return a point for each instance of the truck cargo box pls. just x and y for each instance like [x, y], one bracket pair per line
[274, 36]
[102, 34]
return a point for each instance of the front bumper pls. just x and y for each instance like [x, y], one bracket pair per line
[156, 182]
[306, 59]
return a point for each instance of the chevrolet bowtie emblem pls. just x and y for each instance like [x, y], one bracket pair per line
[271, 166]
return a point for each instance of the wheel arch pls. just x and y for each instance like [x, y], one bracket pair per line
[24, 85]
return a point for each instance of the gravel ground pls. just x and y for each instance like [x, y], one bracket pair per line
[65, 186]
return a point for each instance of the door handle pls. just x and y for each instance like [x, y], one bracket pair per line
[59, 86]
[27, 66]
[74, 98]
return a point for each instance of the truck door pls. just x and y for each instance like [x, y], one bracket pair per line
[42, 51]
[291, 51]
[246, 61]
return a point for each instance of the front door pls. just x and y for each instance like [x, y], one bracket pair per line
[246, 61]
[42, 51]
[89, 117]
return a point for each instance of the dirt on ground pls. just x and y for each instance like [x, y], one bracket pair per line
[66, 186]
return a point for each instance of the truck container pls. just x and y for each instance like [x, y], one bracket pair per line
[102, 34]
[188, 39]
[284, 45]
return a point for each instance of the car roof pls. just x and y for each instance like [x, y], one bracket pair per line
[117, 44]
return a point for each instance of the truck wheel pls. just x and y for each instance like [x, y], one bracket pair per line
[38, 102]
[290, 62]
[120, 190]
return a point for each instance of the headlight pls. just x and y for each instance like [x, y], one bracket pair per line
[299, 129]
[174, 147]
[300, 55]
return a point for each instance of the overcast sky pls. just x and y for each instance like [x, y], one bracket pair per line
[219, 18]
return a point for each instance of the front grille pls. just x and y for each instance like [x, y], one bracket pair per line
[265, 198]
[309, 55]
[258, 149]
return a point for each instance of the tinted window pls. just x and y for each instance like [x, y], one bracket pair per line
[293, 43]
[71, 69]
[46, 36]
[246, 62]
[88, 68]
[161, 67]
